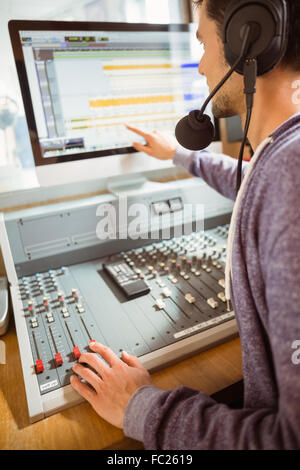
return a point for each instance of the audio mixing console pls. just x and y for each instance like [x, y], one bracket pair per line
[161, 301]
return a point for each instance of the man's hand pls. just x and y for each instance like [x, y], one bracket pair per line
[114, 381]
[158, 144]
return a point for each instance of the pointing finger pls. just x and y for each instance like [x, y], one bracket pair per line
[141, 148]
[137, 131]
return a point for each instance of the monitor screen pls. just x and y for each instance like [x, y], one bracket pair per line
[81, 82]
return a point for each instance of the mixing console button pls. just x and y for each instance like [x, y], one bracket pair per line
[212, 303]
[75, 295]
[80, 308]
[160, 304]
[39, 366]
[58, 359]
[167, 293]
[222, 283]
[190, 298]
[221, 296]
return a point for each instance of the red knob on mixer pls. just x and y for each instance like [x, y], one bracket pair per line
[58, 359]
[76, 352]
[39, 366]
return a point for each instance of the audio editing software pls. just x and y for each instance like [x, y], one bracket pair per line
[85, 86]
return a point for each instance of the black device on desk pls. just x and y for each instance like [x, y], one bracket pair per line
[4, 312]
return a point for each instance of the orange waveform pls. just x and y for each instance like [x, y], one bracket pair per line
[97, 103]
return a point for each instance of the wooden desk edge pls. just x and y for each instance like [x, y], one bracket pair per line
[80, 428]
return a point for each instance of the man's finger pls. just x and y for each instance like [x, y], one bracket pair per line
[108, 355]
[87, 374]
[141, 148]
[82, 389]
[131, 361]
[137, 131]
[94, 361]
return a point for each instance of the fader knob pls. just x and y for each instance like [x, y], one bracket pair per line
[76, 352]
[75, 294]
[39, 366]
[58, 359]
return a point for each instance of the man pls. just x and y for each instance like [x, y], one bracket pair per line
[265, 276]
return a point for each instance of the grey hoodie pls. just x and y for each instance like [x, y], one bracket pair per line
[266, 299]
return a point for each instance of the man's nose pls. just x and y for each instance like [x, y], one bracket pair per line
[201, 67]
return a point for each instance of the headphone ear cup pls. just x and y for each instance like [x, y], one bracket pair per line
[269, 21]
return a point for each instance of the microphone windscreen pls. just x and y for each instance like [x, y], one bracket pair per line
[195, 132]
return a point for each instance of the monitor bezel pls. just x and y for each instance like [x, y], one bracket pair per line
[15, 26]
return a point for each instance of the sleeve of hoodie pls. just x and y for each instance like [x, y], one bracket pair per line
[218, 170]
[184, 418]
[188, 419]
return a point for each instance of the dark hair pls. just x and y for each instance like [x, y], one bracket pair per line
[216, 9]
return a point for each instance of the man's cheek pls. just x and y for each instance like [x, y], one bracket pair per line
[296, 94]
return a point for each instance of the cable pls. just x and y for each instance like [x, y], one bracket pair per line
[241, 154]
[250, 76]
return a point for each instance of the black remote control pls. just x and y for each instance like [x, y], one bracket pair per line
[128, 281]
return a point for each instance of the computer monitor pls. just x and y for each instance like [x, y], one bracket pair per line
[82, 81]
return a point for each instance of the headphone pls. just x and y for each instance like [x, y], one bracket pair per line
[255, 38]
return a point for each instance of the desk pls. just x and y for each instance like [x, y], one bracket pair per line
[80, 428]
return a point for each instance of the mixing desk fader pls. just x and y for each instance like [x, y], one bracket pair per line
[160, 300]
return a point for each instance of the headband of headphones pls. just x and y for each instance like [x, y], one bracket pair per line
[269, 22]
